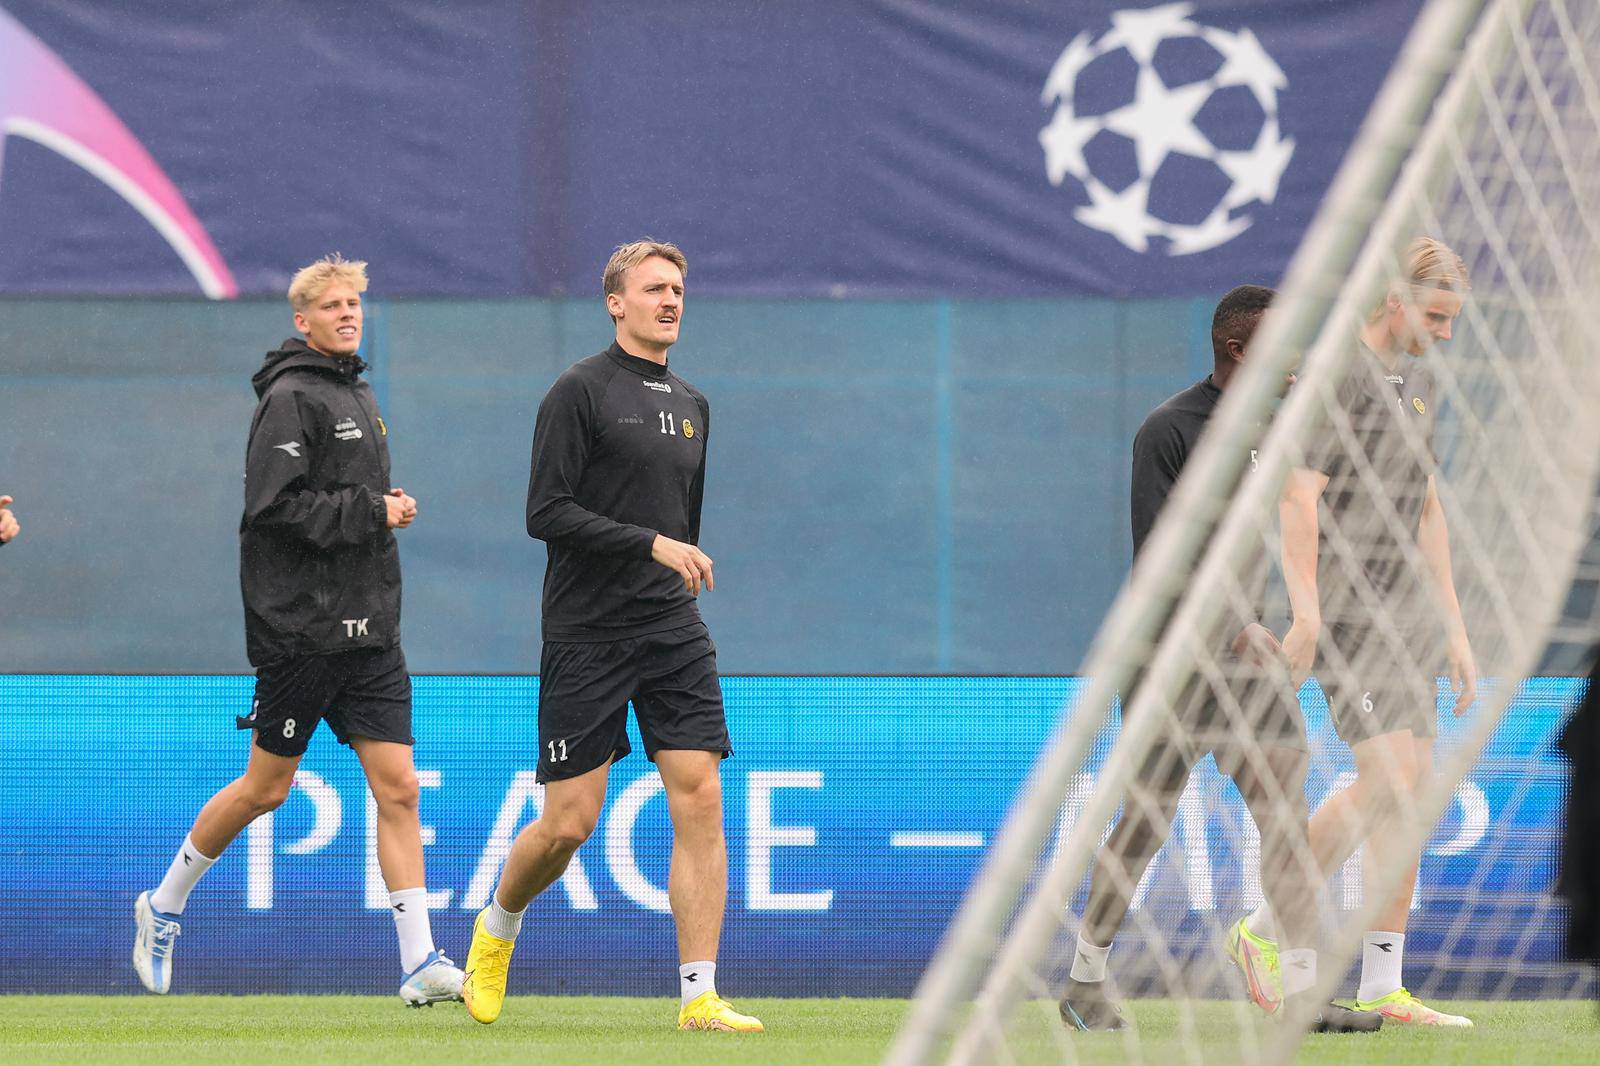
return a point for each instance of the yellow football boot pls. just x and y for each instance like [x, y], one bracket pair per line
[1403, 1008]
[709, 1011]
[488, 960]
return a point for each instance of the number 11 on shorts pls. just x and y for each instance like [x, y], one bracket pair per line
[558, 753]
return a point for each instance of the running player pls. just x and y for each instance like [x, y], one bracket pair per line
[619, 460]
[1250, 720]
[320, 573]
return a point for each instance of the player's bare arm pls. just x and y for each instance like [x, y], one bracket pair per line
[1433, 537]
[1297, 515]
[692, 564]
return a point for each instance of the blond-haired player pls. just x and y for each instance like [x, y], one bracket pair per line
[1364, 503]
[320, 575]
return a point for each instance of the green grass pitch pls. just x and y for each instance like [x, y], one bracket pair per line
[307, 1030]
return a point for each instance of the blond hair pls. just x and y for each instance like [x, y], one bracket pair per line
[312, 281]
[628, 256]
[1428, 263]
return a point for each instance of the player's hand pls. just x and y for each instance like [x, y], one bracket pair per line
[402, 509]
[1463, 673]
[1300, 647]
[692, 564]
[1256, 645]
[9, 526]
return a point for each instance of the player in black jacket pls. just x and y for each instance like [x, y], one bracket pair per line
[618, 474]
[1250, 720]
[320, 575]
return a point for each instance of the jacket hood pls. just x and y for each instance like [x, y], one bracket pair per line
[294, 354]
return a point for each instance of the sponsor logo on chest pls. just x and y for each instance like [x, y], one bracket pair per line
[659, 386]
[346, 429]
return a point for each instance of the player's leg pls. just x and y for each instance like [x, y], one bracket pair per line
[1146, 822]
[372, 714]
[1280, 974]
[288, 702]
[685, 733]
[1383, 949]
[583, 715]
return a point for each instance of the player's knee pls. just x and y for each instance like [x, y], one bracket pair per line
[568, 830]
[262, 796]
[397, 792]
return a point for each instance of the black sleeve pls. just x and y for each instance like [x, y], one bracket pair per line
[276, 495]
[697, 492]
[562, 437]
[1158, 455]
[1326, 452]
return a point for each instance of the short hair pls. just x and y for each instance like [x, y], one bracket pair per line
[312, 281]
[628, 256]
[1237, 315]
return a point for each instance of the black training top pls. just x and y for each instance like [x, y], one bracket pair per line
[619, 455]
[1376, 446]
[1163, 444]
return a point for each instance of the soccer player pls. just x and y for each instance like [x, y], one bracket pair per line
[9, 526]
[619, 459]
[320, 573]
[1251, 722]
[1365, 501]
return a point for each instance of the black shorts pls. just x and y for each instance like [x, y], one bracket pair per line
[362, 693]
[1245, 708]
[1378, 682]
[584, 689]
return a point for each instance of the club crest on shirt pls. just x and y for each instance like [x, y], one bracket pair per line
[1422, 408]
[688, 429]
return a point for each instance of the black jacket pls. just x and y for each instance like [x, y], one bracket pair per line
[318, 564]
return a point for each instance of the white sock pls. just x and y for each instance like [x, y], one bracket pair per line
[410, 909]
[497, 921]
[696, 979]
[1299, 969]
[1089, 963]
[1381, 953]
[1261, 924]
[172, 894]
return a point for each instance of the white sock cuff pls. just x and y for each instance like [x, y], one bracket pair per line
[1299, 969]
[696, 979]
[498, 921]
[1089, 961]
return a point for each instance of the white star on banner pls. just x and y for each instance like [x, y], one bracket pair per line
[1140, 32]
[1245, 62]
[1122, 215]
[1255, 174]
[1161, 120]
[1063, 142]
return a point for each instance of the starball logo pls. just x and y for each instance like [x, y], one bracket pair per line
[1168, 127]
[42, 100]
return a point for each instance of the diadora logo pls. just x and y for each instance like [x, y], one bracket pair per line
[292, 447]
[346, 429]
[659, 386]
[629, 420]
[355, 627]
[42, 100]
[1193, 128]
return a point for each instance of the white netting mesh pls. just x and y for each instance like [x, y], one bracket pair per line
[1506, 171]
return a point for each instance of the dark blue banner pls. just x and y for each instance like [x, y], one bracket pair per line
[838, 148]
[857, 811]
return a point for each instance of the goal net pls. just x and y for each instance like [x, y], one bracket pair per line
[1443, 422]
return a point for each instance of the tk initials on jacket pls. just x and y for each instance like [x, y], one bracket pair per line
[355, 627]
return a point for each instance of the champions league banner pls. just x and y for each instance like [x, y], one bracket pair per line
[888, 148]
[857, 811]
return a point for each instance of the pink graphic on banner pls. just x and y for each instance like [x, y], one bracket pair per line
[43, 100]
